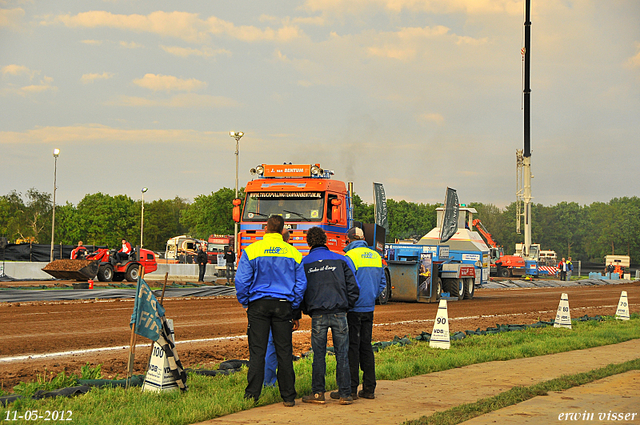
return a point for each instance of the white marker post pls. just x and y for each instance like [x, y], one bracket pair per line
[563, 316]
[159, 377]
[622, 313]
[440, 335]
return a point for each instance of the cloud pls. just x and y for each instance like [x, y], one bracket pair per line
[183, 25]
[431, 117]
[94, 42]
[189, 51]
[634, 61]
[10, 18]
[82, 134]
[45, 85]
[187, 100]
[90, 78]
[168, 83]
[130, 45]
[472, 7]
[17, 70]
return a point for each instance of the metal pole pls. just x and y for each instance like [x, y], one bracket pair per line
[527, 130]
[235, 232]
[53, 217]
[142, 221]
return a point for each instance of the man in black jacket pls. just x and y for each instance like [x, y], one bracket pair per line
[332, 290]
[203, 258]
[230, 259]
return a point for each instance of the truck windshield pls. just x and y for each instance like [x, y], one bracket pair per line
[292, 206]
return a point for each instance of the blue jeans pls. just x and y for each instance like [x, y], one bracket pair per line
[270, 364]
[340, 331]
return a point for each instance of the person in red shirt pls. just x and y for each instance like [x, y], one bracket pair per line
[123, 254]
[79, 252]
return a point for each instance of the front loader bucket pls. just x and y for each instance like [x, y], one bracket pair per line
[72, 269]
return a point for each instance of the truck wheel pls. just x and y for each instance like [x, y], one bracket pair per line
[503, 272]
[438, 283]
[469, 288]
[460, 289]
[132, 273]
[105, 273]
[386, 292]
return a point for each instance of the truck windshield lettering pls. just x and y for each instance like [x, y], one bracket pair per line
[292, 206]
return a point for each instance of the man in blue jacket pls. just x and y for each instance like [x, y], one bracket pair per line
[371, 280]
[270, 284]
[331, 291]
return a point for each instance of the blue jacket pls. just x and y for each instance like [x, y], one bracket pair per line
[270, 268]
[331, 282]
[369, 273]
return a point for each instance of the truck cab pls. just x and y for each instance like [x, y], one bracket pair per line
[304, 195]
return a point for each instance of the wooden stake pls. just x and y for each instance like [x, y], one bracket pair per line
[132, 342]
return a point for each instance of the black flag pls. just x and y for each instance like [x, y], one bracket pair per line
[450, 218]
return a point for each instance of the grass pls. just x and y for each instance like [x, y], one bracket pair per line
[210, 397]
[517, 395]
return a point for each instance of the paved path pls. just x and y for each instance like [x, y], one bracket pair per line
[412, 398]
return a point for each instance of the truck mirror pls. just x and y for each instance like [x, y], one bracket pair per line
[236, 210]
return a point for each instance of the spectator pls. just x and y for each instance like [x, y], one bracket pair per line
[270, 284]
[562, 267]
[332, 290]
[271, 361]
[230, 259]
[371, 280]
[569, 268]
[79, 252]
[202, 258]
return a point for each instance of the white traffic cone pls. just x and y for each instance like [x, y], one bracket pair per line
[159, 377]
[440, 335]
[622, 313]
[563, 316]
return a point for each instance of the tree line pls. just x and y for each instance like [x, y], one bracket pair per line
[584, 232]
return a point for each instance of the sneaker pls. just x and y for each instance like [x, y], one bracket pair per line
[348, 400]
[336, 395]
[289, 403]
[317, 398]
[364, 394]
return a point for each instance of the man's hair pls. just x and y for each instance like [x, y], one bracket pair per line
[316, 237]
[275, 224]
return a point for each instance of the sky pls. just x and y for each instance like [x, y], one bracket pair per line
[419, 95]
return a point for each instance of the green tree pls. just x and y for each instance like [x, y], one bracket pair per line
[361, 210]
[105, 220]
[162, 222]
[211, 214]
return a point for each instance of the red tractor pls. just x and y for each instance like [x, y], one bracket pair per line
[110, 269]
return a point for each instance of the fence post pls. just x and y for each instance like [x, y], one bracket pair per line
[579, 268]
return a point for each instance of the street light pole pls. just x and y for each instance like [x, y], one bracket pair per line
[144, 189]
[56, 152]
[236, 135]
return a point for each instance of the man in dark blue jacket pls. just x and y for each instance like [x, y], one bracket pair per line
[372, 281]
[332, 290]
[270, 284]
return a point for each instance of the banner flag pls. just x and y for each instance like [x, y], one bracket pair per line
[148, 318]
[380, 206]
[451, 213]
[147, 312]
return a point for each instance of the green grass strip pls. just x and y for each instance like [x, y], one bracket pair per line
[516, 395]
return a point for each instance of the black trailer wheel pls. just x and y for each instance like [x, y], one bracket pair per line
[386, 292]
[105, 273]
[132, 273]
[469, 288]
[454, 287]
[438, 285]
[503, 272]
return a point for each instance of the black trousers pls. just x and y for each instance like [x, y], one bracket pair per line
[202, 268]
[361, 352]
[275, 315]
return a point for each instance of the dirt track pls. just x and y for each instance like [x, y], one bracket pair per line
[50, 327]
